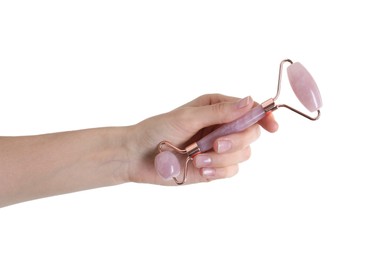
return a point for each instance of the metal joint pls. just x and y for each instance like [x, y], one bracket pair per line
[269, 105]
[192, 150]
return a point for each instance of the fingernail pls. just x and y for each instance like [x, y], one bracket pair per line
[244, 102]
[223, 146]
[208, 172]
[202, 160]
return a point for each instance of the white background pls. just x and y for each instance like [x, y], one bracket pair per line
[310, 191]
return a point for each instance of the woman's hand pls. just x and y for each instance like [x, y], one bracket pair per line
[188, 124]
[39, 166]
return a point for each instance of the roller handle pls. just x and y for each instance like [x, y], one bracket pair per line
[248, 119]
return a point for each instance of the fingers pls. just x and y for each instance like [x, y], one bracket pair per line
[228, 152]
[210, 173]
[210, 99]
[237, 141]
[269, 123]
[212, 165]
[219, 113]
[218, 109]
[215, 160]
[219, 173]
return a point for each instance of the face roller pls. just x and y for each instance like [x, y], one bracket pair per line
[304, 87]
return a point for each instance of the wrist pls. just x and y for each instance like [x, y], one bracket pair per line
[139, 145]
[118, 153]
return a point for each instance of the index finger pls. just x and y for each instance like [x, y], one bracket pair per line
[209, 99]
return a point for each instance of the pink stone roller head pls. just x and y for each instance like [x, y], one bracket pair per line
[304, 87]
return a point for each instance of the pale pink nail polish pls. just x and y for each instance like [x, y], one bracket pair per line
[202, 160]
[208, 172]
[223, 146]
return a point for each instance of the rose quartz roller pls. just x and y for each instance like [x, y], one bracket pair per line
[304, 87]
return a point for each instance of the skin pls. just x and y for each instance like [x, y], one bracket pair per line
[33, 167]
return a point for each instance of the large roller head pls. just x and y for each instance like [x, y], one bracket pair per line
[304, 87]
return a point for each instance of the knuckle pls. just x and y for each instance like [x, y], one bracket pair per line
[217, 108]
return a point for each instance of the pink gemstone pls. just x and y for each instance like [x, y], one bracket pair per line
[304, 87]
[167, 165]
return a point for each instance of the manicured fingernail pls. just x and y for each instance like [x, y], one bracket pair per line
[202, 160]
[244, 102]
[208, 172]
[223, 146]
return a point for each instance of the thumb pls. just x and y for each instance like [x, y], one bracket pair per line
[221, 113]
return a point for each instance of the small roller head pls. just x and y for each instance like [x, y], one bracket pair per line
[304, 87]
[167, 165]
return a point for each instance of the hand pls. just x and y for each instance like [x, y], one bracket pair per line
[188, 124]
[39, 166]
